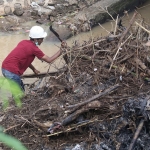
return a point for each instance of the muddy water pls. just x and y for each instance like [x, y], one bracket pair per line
[9, 41]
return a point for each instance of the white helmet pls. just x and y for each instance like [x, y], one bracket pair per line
[37, 32]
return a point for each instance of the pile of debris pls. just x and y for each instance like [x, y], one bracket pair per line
[98, 101]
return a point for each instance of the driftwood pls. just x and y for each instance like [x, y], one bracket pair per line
[107, 91]
[126, 58]
[124, 70]
[44, 74]
[86, 108]
[139, 128]
[142, 65]
[89, 58]
[76, 126]
[39, 75]
[120, 44]
[81, 79]
[142, 27]
[72, 128]
[127, 30]
[81, 47]
[119, 47]
[40, 125]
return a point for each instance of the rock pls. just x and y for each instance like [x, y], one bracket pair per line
[89, 2]
[85, 27]
[26, 4]
[7, 10]
[11, 4]
[73, 28]
[50, 2]
[95, 10]
[82, 18]
[88, 12]
[62, 30]
[42, 21]
[45, 11]
[51, 18]
[15, 28]
[96, 13]
[53, 13]
[82, 5]
[18, 10]
[72, 2]
[41, 2]
[66, 4]
[50, 7]
[14, 20]
[27, 14]
[1, 2]
[4, 24]
[60, 9]
[41, 10]
[34, 13]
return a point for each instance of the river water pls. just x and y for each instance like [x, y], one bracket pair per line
[9, 41]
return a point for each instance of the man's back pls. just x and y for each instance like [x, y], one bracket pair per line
[20, 58]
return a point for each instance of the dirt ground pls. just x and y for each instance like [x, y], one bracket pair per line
[98, 100]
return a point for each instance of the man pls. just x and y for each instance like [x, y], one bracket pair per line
[21, 57]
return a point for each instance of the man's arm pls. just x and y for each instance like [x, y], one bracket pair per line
[33, 69]
[51, 59]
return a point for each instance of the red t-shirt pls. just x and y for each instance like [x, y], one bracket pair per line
[21, 57]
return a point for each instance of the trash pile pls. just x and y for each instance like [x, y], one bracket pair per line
[99, 100]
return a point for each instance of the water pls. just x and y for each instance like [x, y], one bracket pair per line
[9, 41]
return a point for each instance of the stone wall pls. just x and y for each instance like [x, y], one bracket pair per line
[7, 6]
[96, 13]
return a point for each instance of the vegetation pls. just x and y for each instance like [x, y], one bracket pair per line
[10, 87]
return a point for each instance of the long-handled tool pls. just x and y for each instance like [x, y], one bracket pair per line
[65, 56]
[57, 35]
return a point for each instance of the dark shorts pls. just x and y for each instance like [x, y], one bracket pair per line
[13, 77]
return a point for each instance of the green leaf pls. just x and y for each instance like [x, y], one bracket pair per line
[9, 86]
[11, 142]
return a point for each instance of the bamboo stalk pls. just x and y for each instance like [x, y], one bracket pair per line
[142, 27]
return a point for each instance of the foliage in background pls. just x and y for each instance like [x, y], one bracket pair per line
[8, 87]
[11, 141]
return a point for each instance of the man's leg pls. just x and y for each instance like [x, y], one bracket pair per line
[13, 77]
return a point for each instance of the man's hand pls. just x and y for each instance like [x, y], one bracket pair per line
[36, 71]
[63, 44]
[63, 47]
[33, 69]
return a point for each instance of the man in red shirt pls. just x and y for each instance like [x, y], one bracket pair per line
[21, 57]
